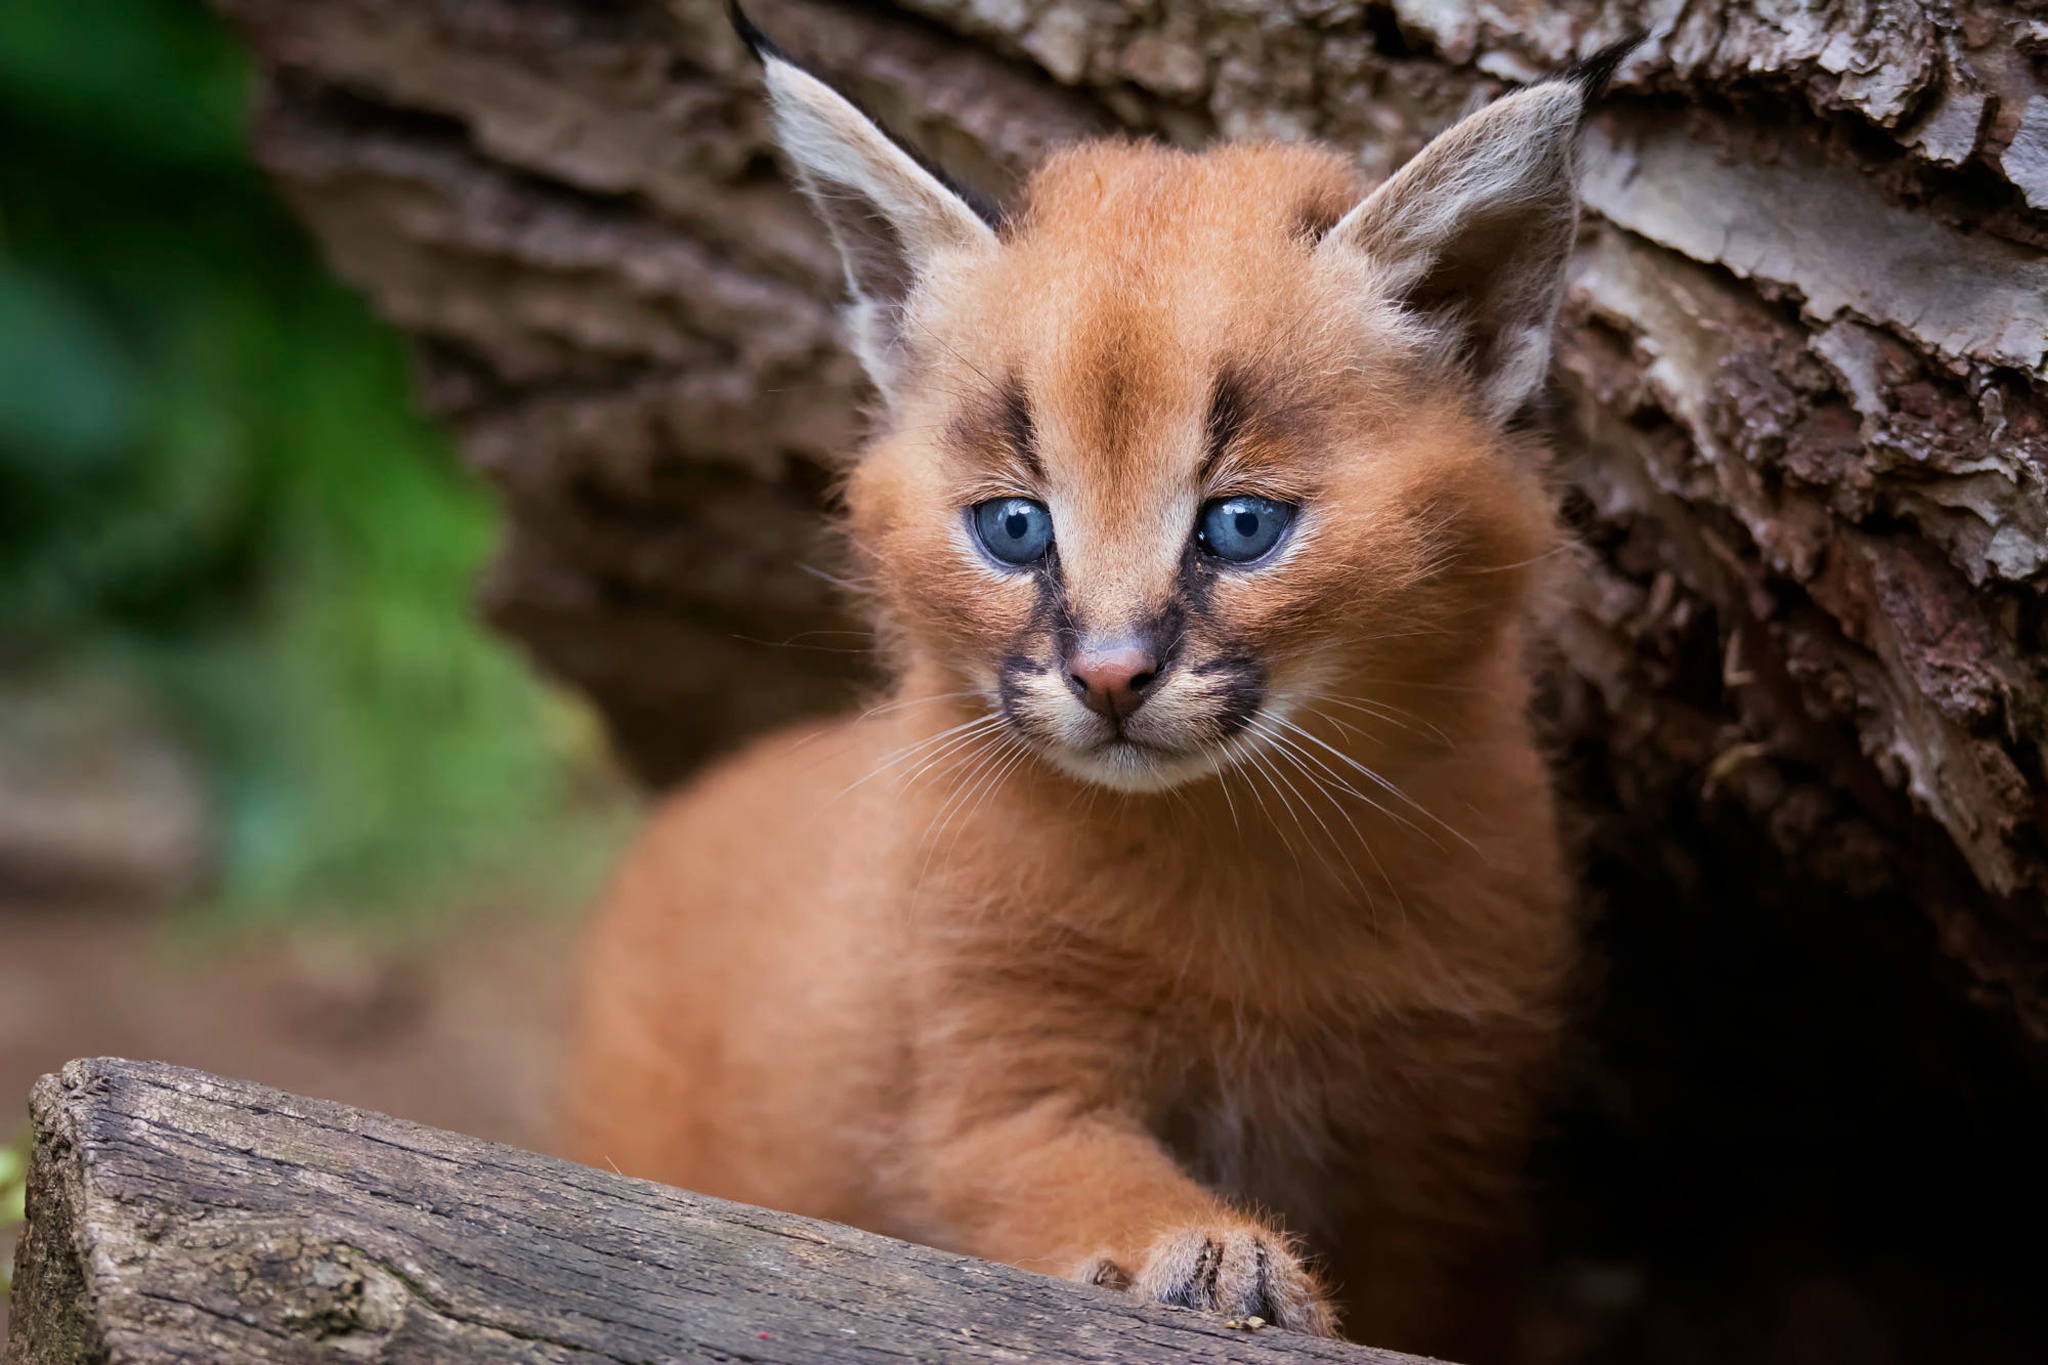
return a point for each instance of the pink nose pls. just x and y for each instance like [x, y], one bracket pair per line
[1111, 679]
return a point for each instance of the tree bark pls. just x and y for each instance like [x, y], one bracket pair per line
[1800, 408]
[176, 1216]
[1798, 697]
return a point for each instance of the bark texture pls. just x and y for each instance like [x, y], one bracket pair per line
[1799, 695]
[175, 1216]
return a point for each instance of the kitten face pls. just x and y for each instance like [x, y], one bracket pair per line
[1197, 442]
[1258, 490]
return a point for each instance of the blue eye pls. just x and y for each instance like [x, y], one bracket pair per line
[1242, 529]
[1014, 530]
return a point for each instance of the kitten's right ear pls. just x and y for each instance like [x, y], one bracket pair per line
[889, 214]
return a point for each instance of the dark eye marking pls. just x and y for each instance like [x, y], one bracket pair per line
[1019, 431]
[1237, 687]
[1001, 424]
[1258, 416]
[1230, 411]
[1011, 674]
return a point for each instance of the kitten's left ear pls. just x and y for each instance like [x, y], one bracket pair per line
[890, 215]
[1474, 233]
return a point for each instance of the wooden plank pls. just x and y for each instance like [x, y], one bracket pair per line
[176, 1216]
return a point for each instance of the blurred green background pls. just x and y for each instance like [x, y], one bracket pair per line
[224, 528]
[272, 801]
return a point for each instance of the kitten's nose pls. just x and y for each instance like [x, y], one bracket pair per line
[1112, 679]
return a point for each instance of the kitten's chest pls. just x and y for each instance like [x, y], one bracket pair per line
[1271, 1118]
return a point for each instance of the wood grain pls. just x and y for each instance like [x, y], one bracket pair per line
[177, 1216]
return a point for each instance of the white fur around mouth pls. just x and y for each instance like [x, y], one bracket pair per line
[1123, 765]
[1133, 766]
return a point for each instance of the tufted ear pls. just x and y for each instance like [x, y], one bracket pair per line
[1473, 234]
[890, 214]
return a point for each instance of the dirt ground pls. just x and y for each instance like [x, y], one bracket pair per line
[457, 1025]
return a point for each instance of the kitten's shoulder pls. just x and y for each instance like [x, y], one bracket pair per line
[775, 832]
[789, 774]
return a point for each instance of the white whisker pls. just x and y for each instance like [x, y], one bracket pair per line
[910, 752]
[1390, 714]
[1382, 783]
[1322, 824]
[1346, 787]
[964, 741]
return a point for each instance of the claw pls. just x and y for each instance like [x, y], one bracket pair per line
[1250, 1277]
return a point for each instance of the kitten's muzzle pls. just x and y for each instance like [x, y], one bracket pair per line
[1112, 680]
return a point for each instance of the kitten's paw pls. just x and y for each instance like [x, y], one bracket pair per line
[1239, 1273]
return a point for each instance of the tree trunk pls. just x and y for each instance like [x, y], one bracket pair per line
[175, 1216]
[1798, 701]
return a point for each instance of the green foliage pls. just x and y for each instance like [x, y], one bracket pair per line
[13, 1198]
[211, 477]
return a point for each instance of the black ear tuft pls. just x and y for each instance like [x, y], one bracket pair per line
[765, 49]
[1590, 74]
[758, 43]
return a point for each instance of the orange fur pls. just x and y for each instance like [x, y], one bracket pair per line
[1282, 1019]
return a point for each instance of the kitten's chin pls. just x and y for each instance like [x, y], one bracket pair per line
[1126, 767]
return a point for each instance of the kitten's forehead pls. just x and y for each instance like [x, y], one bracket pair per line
[1133, 258]
[1121, 200]
[1137, 276]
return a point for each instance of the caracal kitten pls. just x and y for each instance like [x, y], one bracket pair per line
[1191, 918]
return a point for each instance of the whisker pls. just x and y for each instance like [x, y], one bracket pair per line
[889, 706]
[1346, 787]
[855, 585]
[961, 742]
[1328, 833]
[1383, 784]
[1551, 553]
[1017, 753]
[1428, 686]
[976, 759]
[1251, 756]
[793, 642]
[980, 779]
[1390, 715]
[1272, 770]
[883, 709]
[912, 751]
[1223, 785]
[1345, 726]
[935, 827]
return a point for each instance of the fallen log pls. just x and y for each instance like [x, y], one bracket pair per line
[176, 1216]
